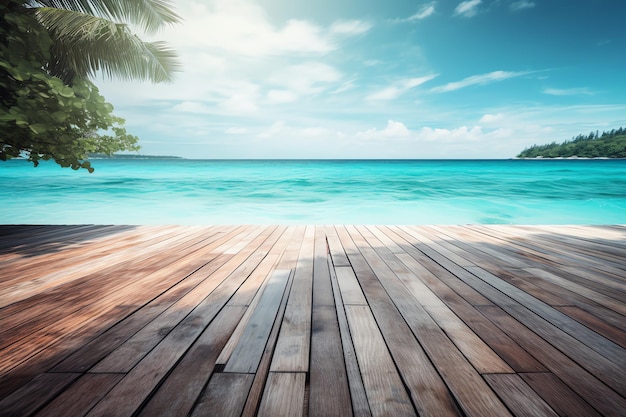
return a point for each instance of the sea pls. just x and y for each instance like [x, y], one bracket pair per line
[203, 192]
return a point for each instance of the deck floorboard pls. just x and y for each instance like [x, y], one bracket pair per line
[312, 320]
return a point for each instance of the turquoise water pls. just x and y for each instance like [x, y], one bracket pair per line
[316, 192]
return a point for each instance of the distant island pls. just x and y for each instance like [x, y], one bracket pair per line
[130, 156]
[595, 145]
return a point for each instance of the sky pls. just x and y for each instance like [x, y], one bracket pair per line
[346, 79]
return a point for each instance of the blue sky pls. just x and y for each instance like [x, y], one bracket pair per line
[381, 79]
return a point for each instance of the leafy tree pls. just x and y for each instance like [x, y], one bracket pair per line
[48, 107]
[610, 144]
[92, 35]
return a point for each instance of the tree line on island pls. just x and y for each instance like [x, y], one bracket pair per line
[49, 50]
[611, 144]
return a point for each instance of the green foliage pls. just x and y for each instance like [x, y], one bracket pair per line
[84, 44]
[41, 117]
[610, 144]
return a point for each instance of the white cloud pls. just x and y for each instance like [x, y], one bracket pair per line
[276, 128]
[194, 107]
[306, 78]
[350, 27]
[393, 130]
[426, 10]
[521, 5]
[467, 8]
[491, 118]
[239, 104]
[281, 96]
[481, 79]
[399, 88]
[242, 27]
[568, 91]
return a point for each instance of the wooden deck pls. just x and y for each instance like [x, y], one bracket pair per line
[312, 320]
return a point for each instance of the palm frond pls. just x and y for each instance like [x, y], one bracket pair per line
[149, 15]
[84, 44]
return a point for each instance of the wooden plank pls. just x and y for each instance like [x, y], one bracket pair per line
[135, 388]
[602, 299]
[564, 328]
[518, 396]
[284, 395]
[293, 345]
[584, 383]
[329, 394]
[596, 324]
[95, 350]
[516, 357]
[552, 253]
[288, 260]
[225, 396]
[322, 288]
[336, 250]
[431, 260]
[143, 378]
[482, 357]
[385, 391]
[276, 254]
[469, 390]
[505, 254]
[248, 352]
[351, 292]
[80, 397]
[360, 406]
[78, 306]
[218, 289]
[177, 394]
[558, 395]
[34, 395]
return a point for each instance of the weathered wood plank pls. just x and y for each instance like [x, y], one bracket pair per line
[81, 396]
[383, 385]
[249, 350]
[360, 406]
[293, 345]
[585, 384]
[225, 396]
[284, 395]
[329, 394]
[518, 396]
[558, 395]
[438, 302]
[177, 394]
[469, 390]
[34, 395]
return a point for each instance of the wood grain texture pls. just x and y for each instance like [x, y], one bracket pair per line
[312, 320]
[284, 395]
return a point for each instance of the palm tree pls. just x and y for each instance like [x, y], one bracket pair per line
[95, 35]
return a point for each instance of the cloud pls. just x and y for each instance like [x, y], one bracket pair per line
[521, 5]
[306, 78]
[350, 27]
[393, 130]
[194, 107]
[481, 79]
[426, 10]
[467, 8]
[241, 27]
[281, 96]
[491, 118]
[399, 88]
[568, 91]
[239, 104]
